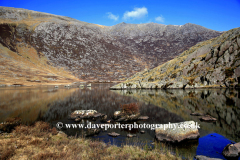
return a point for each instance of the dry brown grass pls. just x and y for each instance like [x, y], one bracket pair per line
[41, 142]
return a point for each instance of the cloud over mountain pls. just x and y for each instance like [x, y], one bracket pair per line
[137, 13]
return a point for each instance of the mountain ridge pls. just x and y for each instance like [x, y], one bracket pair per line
[95, 52]
[212, 63]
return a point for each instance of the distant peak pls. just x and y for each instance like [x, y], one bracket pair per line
[123, 23]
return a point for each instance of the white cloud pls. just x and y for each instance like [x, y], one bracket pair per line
[112, 16]
[136, 13]
[159, 19]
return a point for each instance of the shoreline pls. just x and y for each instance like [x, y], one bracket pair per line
[40, 141]
[53, 84]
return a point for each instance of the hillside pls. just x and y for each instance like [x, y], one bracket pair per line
[89, 51]
[212, 63]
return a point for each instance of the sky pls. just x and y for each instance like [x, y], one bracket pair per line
[220, 15]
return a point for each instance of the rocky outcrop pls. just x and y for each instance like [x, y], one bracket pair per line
[95, 52]
[177, 132]
[212, 63]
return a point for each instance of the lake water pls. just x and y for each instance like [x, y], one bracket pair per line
[53, 105]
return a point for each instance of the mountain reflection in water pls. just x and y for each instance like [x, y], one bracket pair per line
[53, 105]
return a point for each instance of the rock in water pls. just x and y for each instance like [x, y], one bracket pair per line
[230, 151]
[143, 117]
[83, 114]
[201, 157]
[196, 114]
[131, 135]
[208, 118]
[142, 132]
[113, 134]
[238, 147]
[177, 132]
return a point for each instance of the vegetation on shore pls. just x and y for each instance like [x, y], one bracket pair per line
[40, 141]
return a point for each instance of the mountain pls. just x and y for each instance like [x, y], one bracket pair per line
[86, 51]
[212, 63]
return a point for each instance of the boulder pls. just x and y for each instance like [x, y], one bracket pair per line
[230, 151]
[120, 116]
[117, 114]
[142, 131]
[83, 114]
[201, 157]
[208, 118]
[113, 134]
[96, 115]
[131, 135]
[196, 114]
[177, 132]
[143, 117]
[238, 146]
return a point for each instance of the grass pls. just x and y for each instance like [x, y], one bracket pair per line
[40, 141]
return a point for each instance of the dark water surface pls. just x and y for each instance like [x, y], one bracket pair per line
[162, 106]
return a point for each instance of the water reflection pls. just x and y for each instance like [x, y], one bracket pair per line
[29, 103]
[223, 104]
[162, 106]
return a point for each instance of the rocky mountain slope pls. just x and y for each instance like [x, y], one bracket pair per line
[212, 63]
[94, 52]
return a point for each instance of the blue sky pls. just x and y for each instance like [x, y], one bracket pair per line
[220, 15]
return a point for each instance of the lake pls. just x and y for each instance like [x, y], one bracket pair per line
[53, 105]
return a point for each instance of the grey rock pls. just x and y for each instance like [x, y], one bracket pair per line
[180, 133]
[230, 151]
[201, 157]
[113, 134]
[208, 118]
[131, 135]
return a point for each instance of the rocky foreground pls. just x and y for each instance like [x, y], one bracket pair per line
[40, 141]
[212, 63]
